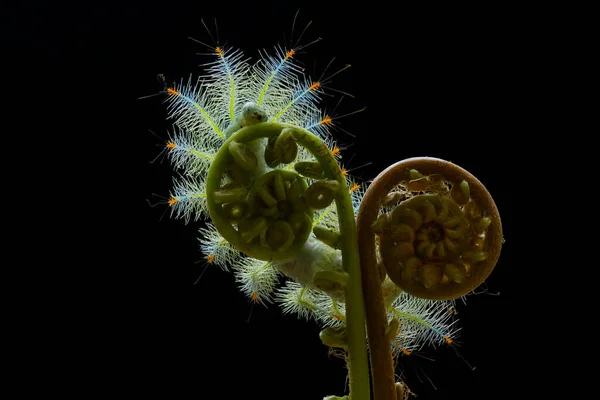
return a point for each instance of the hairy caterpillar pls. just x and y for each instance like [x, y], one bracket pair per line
[257, 161]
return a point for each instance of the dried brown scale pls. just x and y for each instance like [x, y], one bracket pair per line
[378, 196]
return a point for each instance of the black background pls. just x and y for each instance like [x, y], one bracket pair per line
[434, 81]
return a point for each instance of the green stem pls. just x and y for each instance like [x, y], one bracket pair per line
[358, 368]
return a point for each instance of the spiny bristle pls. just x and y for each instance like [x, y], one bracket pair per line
[196, 109]
[211, 242]
[188, 152]
[273, 77]
[296, 299]
[257, 279]
[357, 192]
[329, 311]
[424, 322]
[188, 198]
[297, 107]
[228, 81]
[319, 124]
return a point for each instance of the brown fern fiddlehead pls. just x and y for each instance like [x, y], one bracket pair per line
[435, 231]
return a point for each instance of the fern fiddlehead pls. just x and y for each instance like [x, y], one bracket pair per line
[436, 231]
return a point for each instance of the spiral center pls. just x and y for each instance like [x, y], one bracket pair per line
[433, 231]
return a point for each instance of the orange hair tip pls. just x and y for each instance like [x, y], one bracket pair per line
[211, 258]
[219, 51]
[314, 86]
[344, 171]
[254, 296]
[171, 145]
[325, 121]
[405, 351]
[448, 340]
[290, 54]
[172, 91]
[354, 187]
[172, 201]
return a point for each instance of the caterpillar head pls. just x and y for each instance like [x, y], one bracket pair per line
[438, 230]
